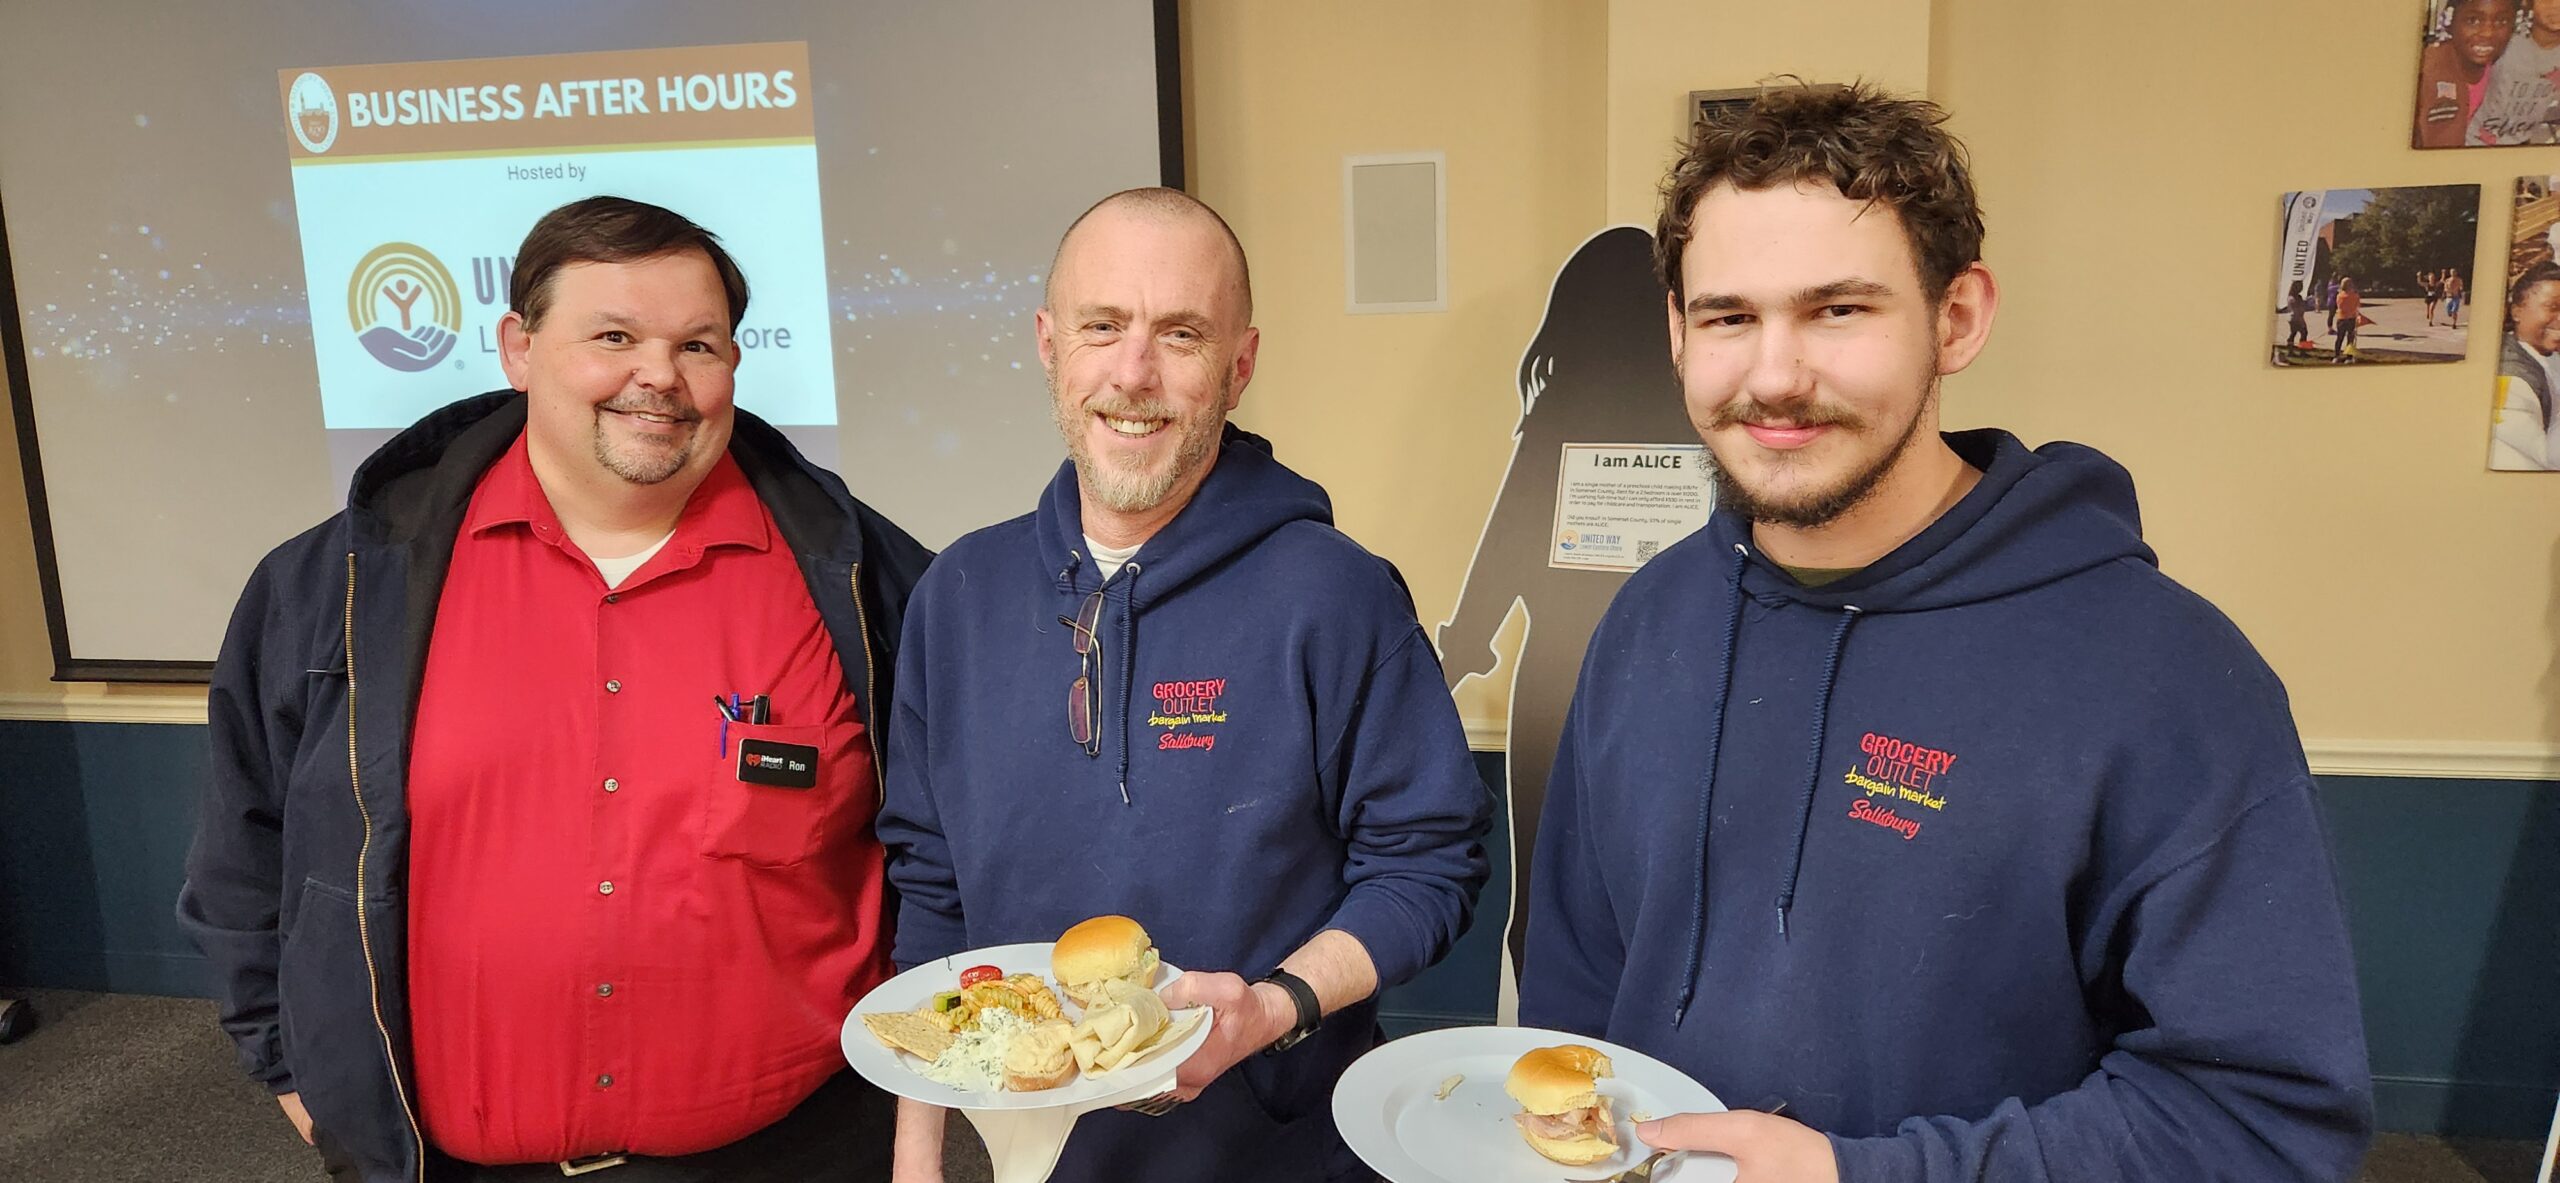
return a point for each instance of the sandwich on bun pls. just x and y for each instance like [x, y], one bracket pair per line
[1563, 1116]
[1103, 950]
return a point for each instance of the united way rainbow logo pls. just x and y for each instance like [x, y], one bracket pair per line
[404, 307]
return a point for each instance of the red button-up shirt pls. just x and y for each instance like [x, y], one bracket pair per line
[615, 943]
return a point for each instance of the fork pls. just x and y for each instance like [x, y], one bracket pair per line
[1637, 1173]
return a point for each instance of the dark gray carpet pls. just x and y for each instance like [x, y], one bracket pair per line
[127, 1088]
[124, 1088]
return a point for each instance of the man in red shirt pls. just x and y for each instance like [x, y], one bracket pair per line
[540, 835]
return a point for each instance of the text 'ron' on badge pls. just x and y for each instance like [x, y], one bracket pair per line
[782, 765]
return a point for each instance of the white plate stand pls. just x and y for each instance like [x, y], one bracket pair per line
[1023, 1144]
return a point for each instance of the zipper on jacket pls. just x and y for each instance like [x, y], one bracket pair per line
[870, 705]
[364, 852]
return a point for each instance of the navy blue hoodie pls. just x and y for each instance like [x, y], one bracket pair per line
[1290, 761]
[1998, 860]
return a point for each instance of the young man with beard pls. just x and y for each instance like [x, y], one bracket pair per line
[2454, 73]
[492, 892]
[1175, 692]
[1908, 791]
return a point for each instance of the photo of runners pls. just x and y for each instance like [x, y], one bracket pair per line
[2485, 74]
[2524, 431]
[2376, 276]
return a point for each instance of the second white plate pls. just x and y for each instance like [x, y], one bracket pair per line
[1389, 1109]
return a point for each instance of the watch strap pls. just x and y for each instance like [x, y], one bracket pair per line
[1310, 1012]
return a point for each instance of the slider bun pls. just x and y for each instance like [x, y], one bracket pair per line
[1552, 1080]
[1573, 1152]
[1099, 949]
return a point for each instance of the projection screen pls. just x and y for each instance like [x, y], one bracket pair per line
[247, 243]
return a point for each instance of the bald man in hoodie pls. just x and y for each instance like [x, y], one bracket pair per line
[1175, 692]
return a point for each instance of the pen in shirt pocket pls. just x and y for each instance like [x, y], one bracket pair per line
[728, 714]
[753, 711]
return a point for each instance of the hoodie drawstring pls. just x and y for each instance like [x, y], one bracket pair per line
[1707, 790]
[1128, 665]
[1813, 759]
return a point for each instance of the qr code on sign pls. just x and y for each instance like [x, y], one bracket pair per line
[1648, 548]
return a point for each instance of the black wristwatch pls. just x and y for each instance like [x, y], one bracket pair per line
[1310, 1015]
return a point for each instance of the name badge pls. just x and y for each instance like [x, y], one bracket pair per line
[782, 765]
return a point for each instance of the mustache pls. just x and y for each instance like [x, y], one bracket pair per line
[1759, 414]
[1119, 407]
[634, 404]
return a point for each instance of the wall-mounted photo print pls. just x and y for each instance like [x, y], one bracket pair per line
[2524, 431]
[2376, 276]
[2485, 70]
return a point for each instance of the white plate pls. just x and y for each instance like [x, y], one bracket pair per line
[1388, 1108]
[897, 1071]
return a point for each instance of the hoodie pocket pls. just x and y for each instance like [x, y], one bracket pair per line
[768, 823]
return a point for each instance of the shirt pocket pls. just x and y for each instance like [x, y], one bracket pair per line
[771, 825]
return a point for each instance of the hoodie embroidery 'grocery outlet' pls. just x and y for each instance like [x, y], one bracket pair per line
[1275, 753]
[1998, 859]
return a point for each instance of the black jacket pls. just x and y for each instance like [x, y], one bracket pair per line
[296, 885]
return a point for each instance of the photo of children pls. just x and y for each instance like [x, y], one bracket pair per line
[2474, 50]
[2376, 276]
[2524, 431]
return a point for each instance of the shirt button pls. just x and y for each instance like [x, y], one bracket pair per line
[613, 597]
[611, 785]
[613, 687]
[605, 1081]
[604, 989]
[605, 888]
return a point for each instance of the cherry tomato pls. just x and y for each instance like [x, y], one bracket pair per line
[979, 973]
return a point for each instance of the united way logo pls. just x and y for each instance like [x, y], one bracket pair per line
[1568, 540]
[405, 307]
[312, 110]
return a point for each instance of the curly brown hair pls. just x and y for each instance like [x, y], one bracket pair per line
[1856, 138]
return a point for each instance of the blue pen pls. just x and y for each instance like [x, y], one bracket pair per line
[728, 715]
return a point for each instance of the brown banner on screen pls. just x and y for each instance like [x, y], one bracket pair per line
[706, 94]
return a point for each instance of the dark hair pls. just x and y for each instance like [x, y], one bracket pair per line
[2533, 277]
[1861, 141]
[612, 230]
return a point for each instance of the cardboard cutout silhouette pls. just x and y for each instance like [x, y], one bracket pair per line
[1598, 371]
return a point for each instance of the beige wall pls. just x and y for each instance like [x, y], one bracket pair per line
[1406, 418]
[2131, 171]
[1660, 50]
[26, 656]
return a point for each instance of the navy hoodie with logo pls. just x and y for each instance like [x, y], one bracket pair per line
[1997, 860]
[1278, 755]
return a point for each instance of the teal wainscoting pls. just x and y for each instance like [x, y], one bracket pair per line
[2452, 889]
